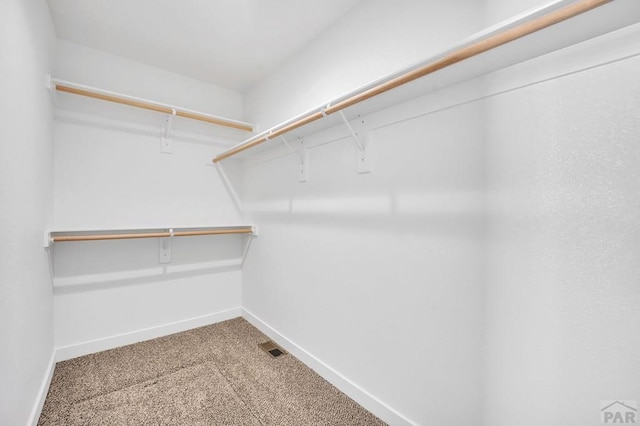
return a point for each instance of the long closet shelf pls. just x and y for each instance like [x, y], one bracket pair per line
[106, 95]
[551, 27]
[123, 234]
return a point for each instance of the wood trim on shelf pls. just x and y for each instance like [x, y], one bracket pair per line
[76, 89]
[70, 236]
[475, 48]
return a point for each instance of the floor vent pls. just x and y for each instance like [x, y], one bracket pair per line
[272, 349]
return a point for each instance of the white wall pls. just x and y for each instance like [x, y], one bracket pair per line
[374, 39]
[27, 42]
[563, 228]
[378, 276]
[110, 173]
[495, 11]
[111, 72]
[486, 272]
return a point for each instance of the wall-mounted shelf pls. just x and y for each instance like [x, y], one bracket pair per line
[89, 272]
[121, 234]
[551, 27]
[172, 110]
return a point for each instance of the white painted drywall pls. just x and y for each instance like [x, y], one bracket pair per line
[27, 43]
[485, 274]
[374, 39]
[111, 72]
[110, 173]
[378, 276]
[496, 11]
[563, 231]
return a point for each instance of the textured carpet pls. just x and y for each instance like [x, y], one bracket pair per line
[214, 375]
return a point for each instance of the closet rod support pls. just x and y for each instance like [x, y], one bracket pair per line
[356, 139]
[166, 140]
[286, 143]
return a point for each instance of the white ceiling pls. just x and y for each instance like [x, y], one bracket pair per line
[229, 43]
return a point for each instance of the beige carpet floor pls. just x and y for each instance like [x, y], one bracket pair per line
[214, 375]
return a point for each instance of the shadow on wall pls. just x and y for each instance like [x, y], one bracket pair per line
[447, 213]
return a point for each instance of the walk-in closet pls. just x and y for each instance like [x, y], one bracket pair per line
[346, 212]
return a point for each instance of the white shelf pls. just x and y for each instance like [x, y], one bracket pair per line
[58, 236]
[609, 17]
[150, 105]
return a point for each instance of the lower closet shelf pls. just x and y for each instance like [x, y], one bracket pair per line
[77, 265]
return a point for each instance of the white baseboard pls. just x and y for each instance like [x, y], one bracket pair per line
[42, 392]
[362, 397]
[72, 351]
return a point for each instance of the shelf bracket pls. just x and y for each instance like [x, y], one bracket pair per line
[50, 254]
[237, 203]
[165, 248]
[363, 162]
[295, 154]
[51, 87]
[302, 160]
[167, 139]
[354, 135]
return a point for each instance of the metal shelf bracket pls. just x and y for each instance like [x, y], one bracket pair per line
[167, 139]
[363, 161]
[302, 160]
[165, 247]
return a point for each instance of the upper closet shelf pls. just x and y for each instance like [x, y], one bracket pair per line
[554, 26]
[105, 95]
[123, 234]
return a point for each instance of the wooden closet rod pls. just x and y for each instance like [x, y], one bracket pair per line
[91, 92]
[458, 55]
[162, 234]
